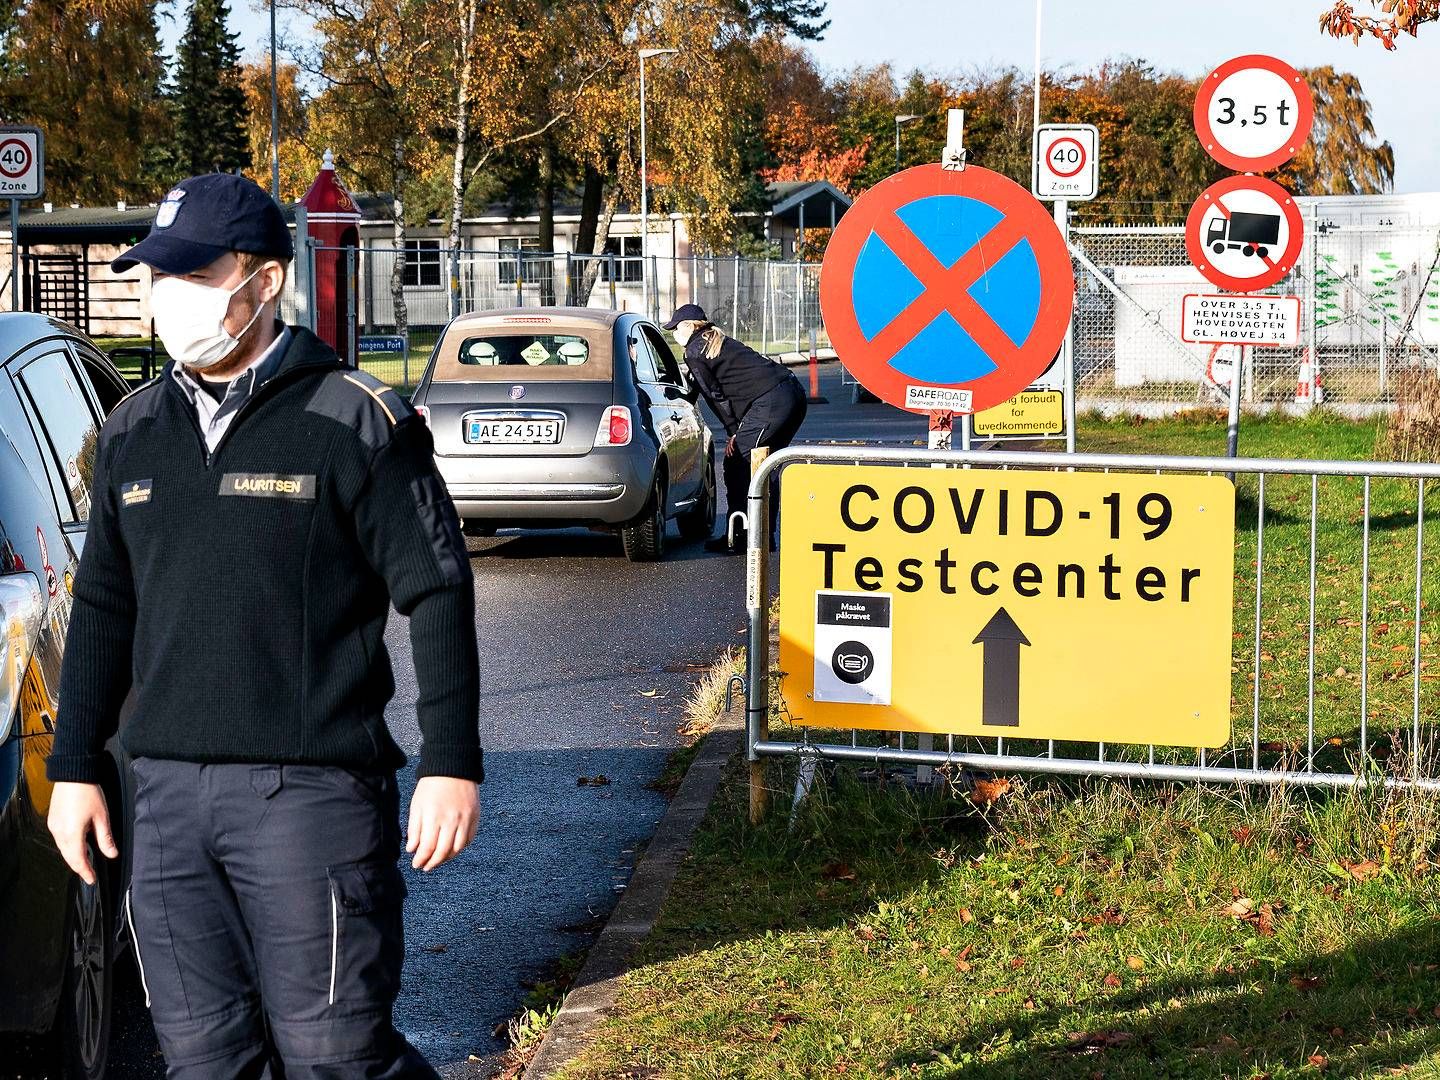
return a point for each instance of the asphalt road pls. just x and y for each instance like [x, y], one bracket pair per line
[586, 660]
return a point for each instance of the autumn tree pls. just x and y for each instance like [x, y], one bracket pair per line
[1396, 17]
[1342, 156]
[210, 103]
[374, 62]
[89, 74]
[298, 161]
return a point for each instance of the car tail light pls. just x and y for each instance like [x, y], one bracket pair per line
[424, 413]
[527, 319]
[22, 610]
[614, 427]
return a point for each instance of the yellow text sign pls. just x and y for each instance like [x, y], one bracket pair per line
[1028, 413]
[1034, 605]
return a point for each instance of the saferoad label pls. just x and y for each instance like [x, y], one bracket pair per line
[268, 485]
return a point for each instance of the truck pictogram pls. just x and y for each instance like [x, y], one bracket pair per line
[1250, 234]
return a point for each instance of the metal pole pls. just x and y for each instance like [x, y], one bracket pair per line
[897, 144]
[799, 292]
[274, 113]
[14, 254]
[735, 301]
[1034, 131]
[757, 656]
[765, 311]
[644, 203]
[1067, 347]
[1232, 432]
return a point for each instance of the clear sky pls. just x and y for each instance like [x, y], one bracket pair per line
[1188, 36]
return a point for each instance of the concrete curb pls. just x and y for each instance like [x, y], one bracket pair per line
[596, 986]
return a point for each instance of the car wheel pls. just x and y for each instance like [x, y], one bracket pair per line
[644, 538]
[82, 1028]
[698, 522]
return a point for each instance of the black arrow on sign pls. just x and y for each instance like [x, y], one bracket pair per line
[1001, 693]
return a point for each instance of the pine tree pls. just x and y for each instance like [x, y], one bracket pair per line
[209, 94]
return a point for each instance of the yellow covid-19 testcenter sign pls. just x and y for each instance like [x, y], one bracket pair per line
[1044, 605]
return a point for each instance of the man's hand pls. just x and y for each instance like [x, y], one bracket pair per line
[444, 814]
[76, 810]
[730, 447]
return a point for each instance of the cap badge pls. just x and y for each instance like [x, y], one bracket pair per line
[165, 216]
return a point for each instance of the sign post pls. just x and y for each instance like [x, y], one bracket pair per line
[22, 176]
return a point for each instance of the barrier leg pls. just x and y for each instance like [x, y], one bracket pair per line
[757, 660]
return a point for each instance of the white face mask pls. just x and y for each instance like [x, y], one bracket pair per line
[683, 333]
[190, 320]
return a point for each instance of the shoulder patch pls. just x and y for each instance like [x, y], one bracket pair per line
[363, 403]
[140, 404]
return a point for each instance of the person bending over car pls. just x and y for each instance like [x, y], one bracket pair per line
[760, 402]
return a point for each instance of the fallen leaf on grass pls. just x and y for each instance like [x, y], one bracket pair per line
[966, 916]
[985, 792]
[1135, 963]
[779, 1023]
[1361, 871]
[1088, 1042]
[1243, 908]
[837, 871]
[1320, 1061]
[1306, 982]
[1113, 981]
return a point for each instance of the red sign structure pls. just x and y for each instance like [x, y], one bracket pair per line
[1253, 113]
[949, 285]
[14, 158]
[1244, 233]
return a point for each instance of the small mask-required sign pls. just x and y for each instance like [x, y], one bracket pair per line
[852, 647]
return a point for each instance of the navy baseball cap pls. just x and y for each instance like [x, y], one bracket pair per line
[204, 217]
[686, 313]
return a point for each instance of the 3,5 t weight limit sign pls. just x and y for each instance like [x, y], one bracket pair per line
[1253, 113]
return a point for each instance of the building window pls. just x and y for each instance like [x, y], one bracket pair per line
[629, 266]
[422, 264]
[513, 265]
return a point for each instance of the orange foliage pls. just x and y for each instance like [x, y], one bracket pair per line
[1399, 17]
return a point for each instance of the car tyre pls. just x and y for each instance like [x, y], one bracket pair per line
[82, 1026]
[644, 538]
[698, 522]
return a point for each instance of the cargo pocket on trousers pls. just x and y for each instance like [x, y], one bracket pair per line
[367, 936]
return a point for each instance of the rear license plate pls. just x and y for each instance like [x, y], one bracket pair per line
[513, 432]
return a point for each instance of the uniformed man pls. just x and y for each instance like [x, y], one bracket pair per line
[258, 507]
[760, 402]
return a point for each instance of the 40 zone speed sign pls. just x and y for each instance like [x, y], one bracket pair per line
[22, 155]
[1067, 162]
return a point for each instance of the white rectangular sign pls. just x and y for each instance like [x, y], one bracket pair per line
[938, 399]
[1237, 319]
[852, 647]
[22, 163]
[1067, 162]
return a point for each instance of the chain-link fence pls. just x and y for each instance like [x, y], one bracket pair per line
[388, 293]
[1370, 309]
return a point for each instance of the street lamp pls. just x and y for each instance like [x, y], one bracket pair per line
[274, 114]
[903, 118]
[646, 54]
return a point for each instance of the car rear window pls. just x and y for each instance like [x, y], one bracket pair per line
[524, 350]
[535, 353]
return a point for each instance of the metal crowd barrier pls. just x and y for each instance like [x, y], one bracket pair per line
[1269, 491]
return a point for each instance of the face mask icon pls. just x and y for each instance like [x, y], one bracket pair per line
[852, 662]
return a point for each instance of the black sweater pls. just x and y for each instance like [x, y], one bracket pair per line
[244, 594]
[734, 379]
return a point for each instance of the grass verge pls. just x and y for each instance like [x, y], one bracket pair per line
[1086, 929]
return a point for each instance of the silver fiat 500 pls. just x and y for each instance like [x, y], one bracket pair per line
[556, 417]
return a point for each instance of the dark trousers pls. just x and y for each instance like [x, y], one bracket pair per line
[266, 903]
[771, 421]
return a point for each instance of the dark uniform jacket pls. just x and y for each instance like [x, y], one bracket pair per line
[244, 594]
[734, 379]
